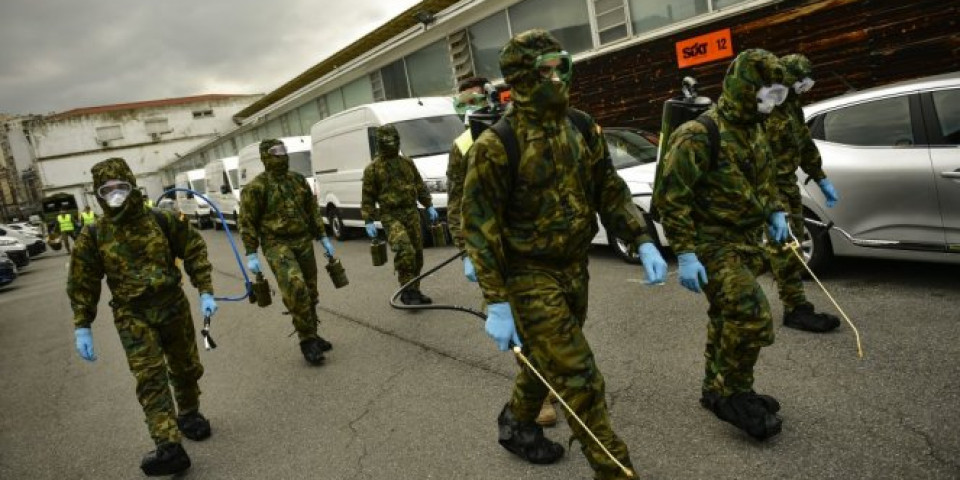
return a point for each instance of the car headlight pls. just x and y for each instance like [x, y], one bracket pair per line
[436, 185]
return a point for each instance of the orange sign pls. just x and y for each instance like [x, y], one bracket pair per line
[705, 48]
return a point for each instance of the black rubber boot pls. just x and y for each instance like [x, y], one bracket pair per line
[312, 351]
[194, 426]
[708, 400]
[167, 459]
[424, 300]
[324, 345]
[526, 440]
[749, 413]
[408, 297]
[804, 318]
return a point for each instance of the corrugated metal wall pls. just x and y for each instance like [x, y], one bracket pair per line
[867, 42]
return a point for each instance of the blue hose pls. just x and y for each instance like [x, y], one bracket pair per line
[246, 279]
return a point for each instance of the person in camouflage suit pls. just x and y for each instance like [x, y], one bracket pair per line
[793, 148]
[527, 229]
[279, 213]
[136, 250]
[715, 214]
[393, 181]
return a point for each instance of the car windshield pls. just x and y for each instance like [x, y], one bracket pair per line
[422, 137]
[300, 163]
[629, 149]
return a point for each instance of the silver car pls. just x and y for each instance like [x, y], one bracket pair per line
[893, 154]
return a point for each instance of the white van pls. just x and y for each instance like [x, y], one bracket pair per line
[343, 145]
[298, 149]
[190, 205]
[223, 188]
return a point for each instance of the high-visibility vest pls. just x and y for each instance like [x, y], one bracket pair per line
[464, 141]
[149, 202]
[66, 222]
[88, 217]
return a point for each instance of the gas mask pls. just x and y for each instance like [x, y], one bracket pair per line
[769, 96]
[803, 86]
[554, 71]
[114, 192]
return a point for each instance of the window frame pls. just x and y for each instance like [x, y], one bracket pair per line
[931, 120]
[913, 108]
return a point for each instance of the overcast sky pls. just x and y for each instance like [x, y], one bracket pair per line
[56, 55]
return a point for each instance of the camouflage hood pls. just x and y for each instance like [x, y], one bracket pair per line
[117, 169]
[533, 95]
[273, 164]
[750, 71]
[797, 67]
[388, 141]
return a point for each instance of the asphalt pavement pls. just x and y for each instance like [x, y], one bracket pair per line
[415, 395]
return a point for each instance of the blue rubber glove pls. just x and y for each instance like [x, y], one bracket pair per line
[692, 273]
[653, 264]
[325, 241]
[778, 227]
[208, 306]
[432, 213]
[253, 263]
[84, 338]
[830, 193]
[371, 230]
[500, 326]
[468, 270]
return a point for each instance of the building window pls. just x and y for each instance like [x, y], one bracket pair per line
[430, 71]
[567, 20]
[322, 107]
[718, 4]
[202, 113]
[106, 134]
[156, 126]
[652, 14]
[394, 79]
[334, 102]
[612, 21]
[487, 37]
[309, 114]
[357, 92]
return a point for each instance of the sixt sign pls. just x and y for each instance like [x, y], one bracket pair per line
[704, 48]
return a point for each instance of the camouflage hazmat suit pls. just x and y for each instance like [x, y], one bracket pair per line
[393, 182]
[528, 227]
[456, 173]
[150, 310]
[719, 212]
[278, 213]
[792, 148]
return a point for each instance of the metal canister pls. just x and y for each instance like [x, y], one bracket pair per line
[439, 234]
[262, 290]
[378, 251]
[337, 274]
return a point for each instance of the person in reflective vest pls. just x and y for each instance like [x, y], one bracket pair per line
[65, 226]
[87, 217]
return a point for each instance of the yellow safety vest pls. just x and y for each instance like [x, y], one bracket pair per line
[88, 218]
[464, 142]
[66, 222]
[149, 202]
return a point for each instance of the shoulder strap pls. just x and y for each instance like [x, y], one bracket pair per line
[713, 133]
[157, 214]
[508, 138]
[582, 122]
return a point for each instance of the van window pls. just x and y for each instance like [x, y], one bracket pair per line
[881, 123]
[226, 183]
[234, 179]
[422, 137]
[197, 186]
[300, 163]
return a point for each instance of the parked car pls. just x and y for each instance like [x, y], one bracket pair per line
[893, 154]
[26, 228]
[8, 270]
[634, 156]
[15, 250]
[34, 243]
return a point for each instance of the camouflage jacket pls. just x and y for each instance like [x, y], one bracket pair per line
[138, 260]
[277, 207]
[393, 183]
[736, 195]
[456, 173]
[545, 211]
[791, 144]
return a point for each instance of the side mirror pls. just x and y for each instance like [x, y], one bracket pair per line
[224, 189]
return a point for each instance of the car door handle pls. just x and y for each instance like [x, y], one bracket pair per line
[953, 174]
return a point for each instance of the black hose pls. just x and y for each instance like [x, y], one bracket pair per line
[393, 299]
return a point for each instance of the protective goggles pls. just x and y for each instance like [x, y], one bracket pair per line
[775, 94]
[277, 150]
[112, 186]
[555, 66]
[803, 86]
[472, 99]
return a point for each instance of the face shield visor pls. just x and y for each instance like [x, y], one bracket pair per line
[467, 102]
[277, 150]
[556, 66]
[770, 96]
[803, 86]
[114, 192]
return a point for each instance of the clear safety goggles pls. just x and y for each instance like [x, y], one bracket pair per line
[277, 150]
[803, 86]
[775, 94]
[472, 99]
[112, 186]
[555, 66]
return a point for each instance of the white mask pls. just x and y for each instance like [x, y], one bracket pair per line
[803, 86]
[771, 96]
[116, 198]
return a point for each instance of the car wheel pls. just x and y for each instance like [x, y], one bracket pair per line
[623, 250]
[196, 217]
[216, 223]
[337, 227]
[815, 245]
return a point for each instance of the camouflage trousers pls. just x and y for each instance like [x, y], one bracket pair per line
[786, 267]
[161, 347]
[295, 268]
[550, 308]
[739, 316]
[406, 240]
